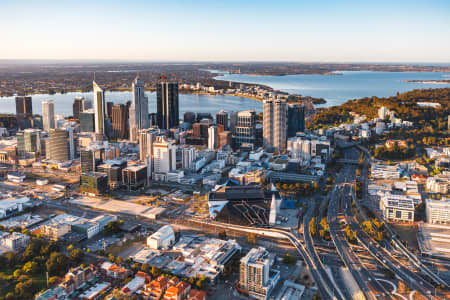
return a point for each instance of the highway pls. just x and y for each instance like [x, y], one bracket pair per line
[411, 279]
[341, 293]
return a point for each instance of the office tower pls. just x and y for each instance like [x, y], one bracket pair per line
[138, 109]
[296, 119]
[189, 117]
[57, 146]
[188, 155]
[146, 138]
[212, 138]
[87, 161]
[167, 105]
[383, 112]
[99, 109]
[255, 274]
[24, 111]
[233, 121]
[48, 114]
[29, 142]
[225, 138]
[71, 139]
[164, 156]
[203, 116]
[119, 122]
[85, 104]
[245, 128]
[109, 106]
[222, 119]
[274, 122]
[200, 130]
[78, 106]
[87, 121]
[152, 119]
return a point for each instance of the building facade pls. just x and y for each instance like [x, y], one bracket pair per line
[48, 114]
[99, 109]
[138, 109]
[274, 125]
[167, 105]
[296, 119]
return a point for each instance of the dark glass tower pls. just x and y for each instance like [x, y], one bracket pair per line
[296, 119]
[167, 105]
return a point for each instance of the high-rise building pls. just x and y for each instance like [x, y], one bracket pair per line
[212, 138]
[233, 121]
[222, 119]
[146, 138]
[188, 155]
[99, 109]
[138, 109]
[78, 106]
[48, 114]
[189, 117]
[274, 120]
[200, 130]
[296, 119]
[24, 111]
[87, 161]
[57, 146]
[225, 138]
[244, 132]
[167, 105]
[109, 106]
[120, 121]
[255, 273]
[164, 157]
[87, 121]
[28, 142]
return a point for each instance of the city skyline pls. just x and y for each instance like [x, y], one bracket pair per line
[181, 31]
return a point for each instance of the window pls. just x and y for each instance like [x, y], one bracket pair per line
[398, 214]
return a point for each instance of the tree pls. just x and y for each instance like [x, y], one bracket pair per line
[200, 282]
[112, 227]
[145, 268]
[155, 272]
[69, 248]
[76, 256]
[30, 267]
[57, 264]
[289, 260]
[119, 260]
[53, 280]
[118, 295]
[312, 226]
[251, 238]
[25, 290]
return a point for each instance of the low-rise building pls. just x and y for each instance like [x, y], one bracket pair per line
[380, 171]
[15, 241]
[397, 208]
[155, 289]
[177, 292]
[438, 184]
[76, 277]
[162, 239]
[196, 295]
[114, 271]
[438, 211]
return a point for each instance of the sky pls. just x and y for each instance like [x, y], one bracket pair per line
[227, 30]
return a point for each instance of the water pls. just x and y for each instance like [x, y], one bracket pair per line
[337, 89]
[188, 102]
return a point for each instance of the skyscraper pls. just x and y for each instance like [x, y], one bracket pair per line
[244, 132]
[274, 121]
[146, 138]
[48, 114]
[57, 146]
[99, 109]
[164, 157]
[138, 109]
[109, 106]
[296, 119]
[222, 119]
[233, 121]
[87, 121]
[24, 111]
[167, 105]
[78, 106]
[189, 117]
[29, 142]
[212, 138]
[120, 121]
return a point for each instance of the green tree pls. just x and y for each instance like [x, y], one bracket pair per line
[76, 256]
[30, 267]
[57, 264]
[155, 272]
[251, 238]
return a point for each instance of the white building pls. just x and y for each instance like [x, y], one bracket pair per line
[11, 207]
[15, 241]
[383, 112]
[162, 239]
[255, 273]
[438, 211]
[438, 184]
[397, 208]
[138, 109]
[164, 157]
[99, 109]
[48, 114]
[380, 171]
[188, 155]
[212, 137]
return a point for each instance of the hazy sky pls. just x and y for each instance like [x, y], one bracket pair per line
[226, 30]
